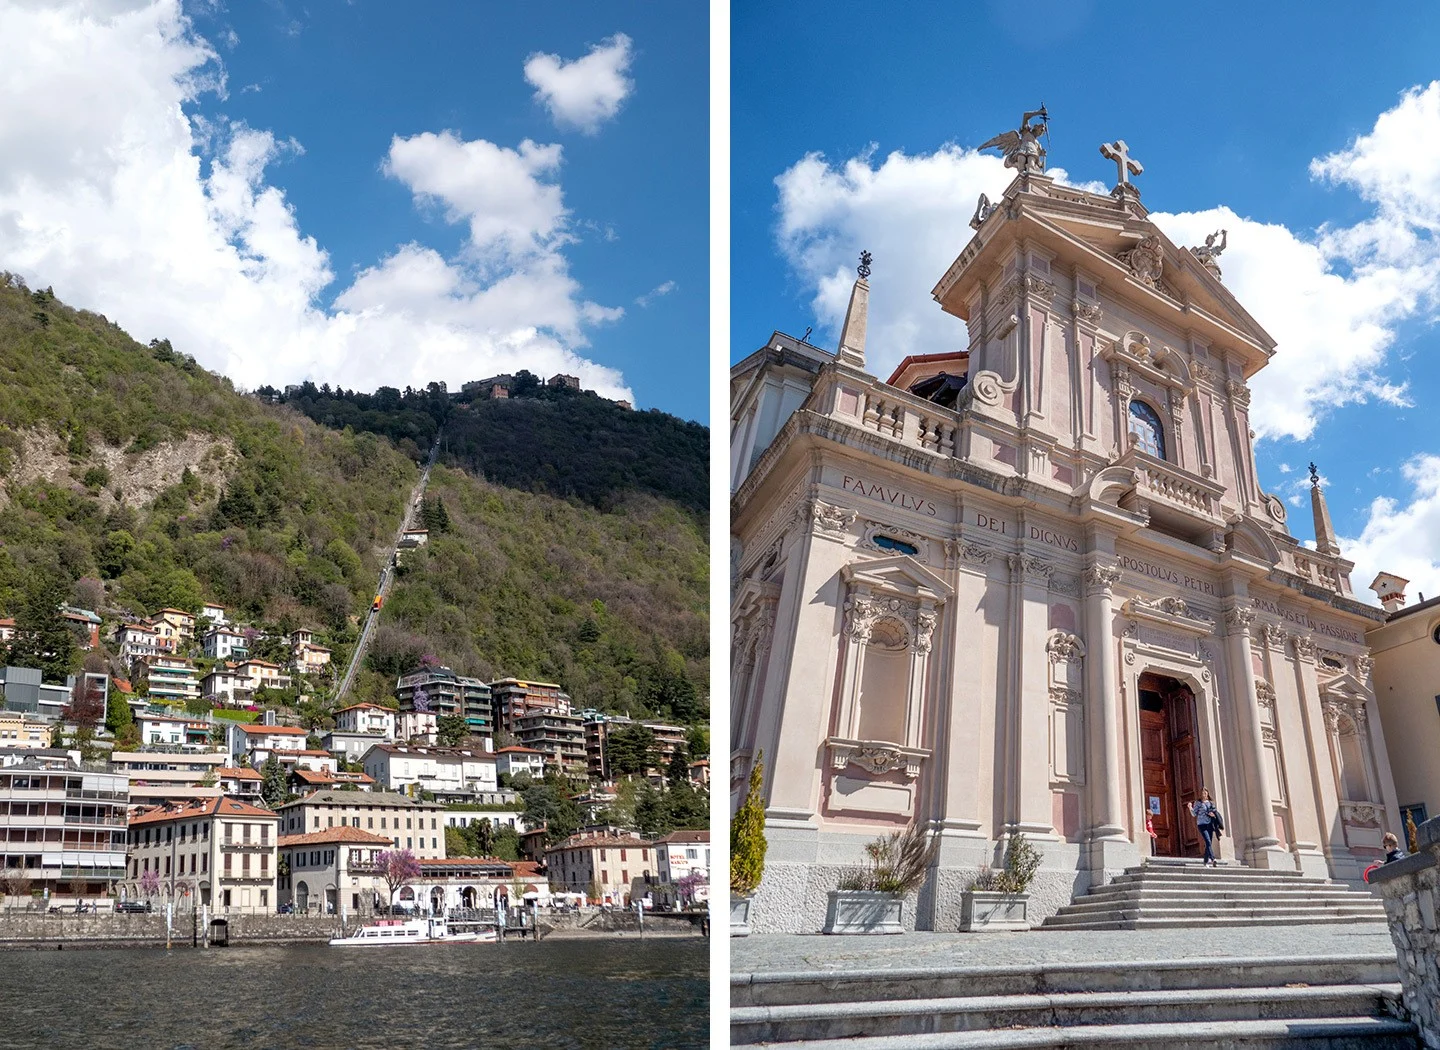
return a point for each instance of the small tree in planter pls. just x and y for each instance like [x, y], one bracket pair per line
[997, 900]
[747, 851]
[872, 900]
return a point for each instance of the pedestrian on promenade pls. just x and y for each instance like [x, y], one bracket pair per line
[1391, 845]
[1207, 819]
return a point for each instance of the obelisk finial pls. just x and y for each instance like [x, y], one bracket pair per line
[1324, 531]
[852, 335]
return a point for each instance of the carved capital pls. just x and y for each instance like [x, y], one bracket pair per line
[1101, 579]
[1039, 287]
[828, 518]
[1265, 694]
[1084, 311]
[1238, 391]
[861, 612]
[1063, 646]
[1272, 636]
[1031, 567]
[1239, 619]
[1364, 664]
[972, 552]
[1305, 647]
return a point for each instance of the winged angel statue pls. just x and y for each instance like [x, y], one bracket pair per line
[1022, 148]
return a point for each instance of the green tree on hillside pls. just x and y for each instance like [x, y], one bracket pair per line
[273, 788]
[451, 730]
[678, 771]
[42, 637]
[630, 749]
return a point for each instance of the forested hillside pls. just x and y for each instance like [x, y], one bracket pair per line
[567, 443]
[131, 479]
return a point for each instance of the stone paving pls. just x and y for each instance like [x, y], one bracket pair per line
[790, 953]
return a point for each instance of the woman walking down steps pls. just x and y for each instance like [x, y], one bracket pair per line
[1207, 819]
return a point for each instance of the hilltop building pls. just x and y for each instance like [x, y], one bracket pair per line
[1035, 587]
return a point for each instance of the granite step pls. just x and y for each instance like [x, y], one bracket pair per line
[978, 1013]
[1180, 975]
[1329, 1033]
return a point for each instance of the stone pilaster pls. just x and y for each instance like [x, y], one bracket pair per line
[1261, 847]
[1030, 810]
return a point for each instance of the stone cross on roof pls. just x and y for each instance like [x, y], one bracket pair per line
[1120, 154]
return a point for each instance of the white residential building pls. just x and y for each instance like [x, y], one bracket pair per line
[241, 782]
[683, 853]
[470, 816]
[214, 613]
[256, 742]
[221, 683]
[217, 852]
[516, 759]
[157, 777]
[450, 772]
[134, 640]
[168, 731]
[258, 673]
[221, 643]
[408, 823]
[332, 871]
[417, 727]
[366, 718]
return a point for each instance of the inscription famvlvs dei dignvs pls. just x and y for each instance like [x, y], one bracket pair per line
[891, 496]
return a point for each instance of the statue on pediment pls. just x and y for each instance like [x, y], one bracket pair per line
[1022, 147]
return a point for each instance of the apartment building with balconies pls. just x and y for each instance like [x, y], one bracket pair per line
[62, 827]
[219, 853]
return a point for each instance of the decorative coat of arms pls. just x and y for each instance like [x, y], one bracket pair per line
[1146, 261]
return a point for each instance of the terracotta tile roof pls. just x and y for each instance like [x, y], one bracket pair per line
[208, 807]
[239, 773]
[344, 833]
[461, 862]
[599, 842]
[361, 707]
[321, 778]
[685, 836]
[284, 730]
[515, 747]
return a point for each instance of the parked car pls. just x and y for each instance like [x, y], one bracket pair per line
[133, 906]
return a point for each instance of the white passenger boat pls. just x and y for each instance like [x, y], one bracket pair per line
[411, 931]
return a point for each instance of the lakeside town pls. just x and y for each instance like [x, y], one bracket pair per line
[191, 784]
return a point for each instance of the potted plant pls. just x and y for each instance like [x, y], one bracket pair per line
[997, 900]
[747, 851]
[872, 900]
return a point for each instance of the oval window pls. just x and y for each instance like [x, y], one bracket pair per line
[1436, 634]
[889, 543]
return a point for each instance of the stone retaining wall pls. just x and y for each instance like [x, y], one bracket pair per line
[1411, 889]
[22, 929]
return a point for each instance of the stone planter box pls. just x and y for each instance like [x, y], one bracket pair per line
[739, 916]
[986, 910]
[864, 911]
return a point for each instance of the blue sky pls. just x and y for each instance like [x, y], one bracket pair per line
[368, 192]
[1314, 139]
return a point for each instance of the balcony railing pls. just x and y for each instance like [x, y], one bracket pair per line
[1174, 492]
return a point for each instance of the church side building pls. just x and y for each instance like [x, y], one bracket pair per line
[1034, 585]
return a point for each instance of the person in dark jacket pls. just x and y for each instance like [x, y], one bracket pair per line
[1391, 845]
[1206, 817]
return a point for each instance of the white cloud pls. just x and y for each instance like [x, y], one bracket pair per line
[1402, 539]
[585, 92]
[649, 297]
[1333, 300]
[169, 225]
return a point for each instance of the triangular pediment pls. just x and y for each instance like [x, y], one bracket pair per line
[1344, 685]
[899, 574]
[1093, 231]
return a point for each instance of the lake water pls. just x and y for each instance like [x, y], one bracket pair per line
[558, 994]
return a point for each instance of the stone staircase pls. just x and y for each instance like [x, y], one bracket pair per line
[1330, 1002]
[1165, 892]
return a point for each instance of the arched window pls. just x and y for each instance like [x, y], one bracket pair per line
[1146, 426]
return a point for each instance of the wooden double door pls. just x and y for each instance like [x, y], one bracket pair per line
[1170, 757]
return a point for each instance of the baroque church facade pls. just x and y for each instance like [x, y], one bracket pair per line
[1034, 586]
